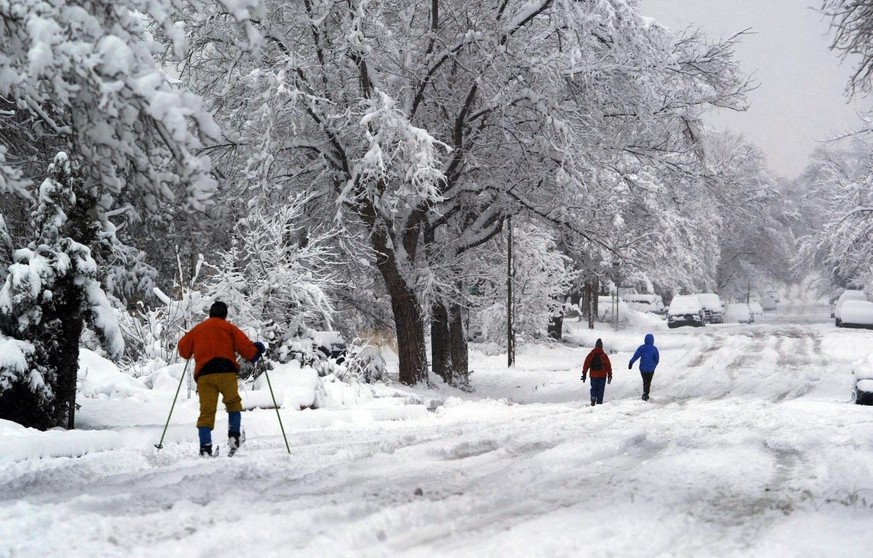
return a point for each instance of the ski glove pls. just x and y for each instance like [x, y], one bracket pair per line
[609, 379]
[630, 366]
[583, 378]
[261, 350]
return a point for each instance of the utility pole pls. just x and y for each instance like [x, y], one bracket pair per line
[510, 326]
[589, 291]
[616, 277]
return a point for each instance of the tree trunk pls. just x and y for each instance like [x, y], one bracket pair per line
[459, 349]
[65, 358]
[441, 359]
[408, 315]
[409, 326]
[556, 325]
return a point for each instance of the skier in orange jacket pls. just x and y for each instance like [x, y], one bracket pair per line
[214, 344]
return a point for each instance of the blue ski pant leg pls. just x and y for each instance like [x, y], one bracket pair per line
[598, 387]
[233, 423]
[205, 435]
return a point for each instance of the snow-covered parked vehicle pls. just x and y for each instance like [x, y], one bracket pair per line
[768, 302]
[856, 313]
[737, 313]
[685, 310]
[713, 309]
[847, 295]
[311, 346]
[862, 390]
[645, 303]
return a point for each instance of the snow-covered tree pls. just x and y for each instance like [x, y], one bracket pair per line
[428, 124]
[541, 276]
[80, 77]
[276, 276]
[51, 291]
[852, 21]
[749, 257]
[838, 184]
[839, 178]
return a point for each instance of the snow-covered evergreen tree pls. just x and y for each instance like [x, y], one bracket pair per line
[51, 291]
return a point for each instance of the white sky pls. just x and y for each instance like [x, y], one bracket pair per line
[801, 98]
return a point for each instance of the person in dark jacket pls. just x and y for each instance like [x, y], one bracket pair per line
[647, 353]
[597, 365]
[214, 344]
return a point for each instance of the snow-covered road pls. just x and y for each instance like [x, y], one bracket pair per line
[750, 446]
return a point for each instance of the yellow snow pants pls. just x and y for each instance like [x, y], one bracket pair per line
[209, 386]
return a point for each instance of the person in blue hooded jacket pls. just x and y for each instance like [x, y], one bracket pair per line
[648, 355]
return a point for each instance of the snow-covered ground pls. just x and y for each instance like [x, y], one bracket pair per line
[750, 446]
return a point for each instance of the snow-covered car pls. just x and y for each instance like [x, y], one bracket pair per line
[311, 346]
[848, 294]
[856, 313]
[606, 308]
[645, 303]
[737, 313]
[685, 310]
[713, 309]
[768, 302]
[862, 390]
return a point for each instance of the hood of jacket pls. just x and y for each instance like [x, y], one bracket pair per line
[650, 339]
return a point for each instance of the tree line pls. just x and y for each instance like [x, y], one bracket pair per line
[356, 165]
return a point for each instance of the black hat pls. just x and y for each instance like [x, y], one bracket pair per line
[599, 344]
[218, 310]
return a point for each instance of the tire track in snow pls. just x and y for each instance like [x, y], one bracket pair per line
[773, 363]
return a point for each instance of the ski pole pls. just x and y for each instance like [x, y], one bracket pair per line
[279, 416]
[160, 445]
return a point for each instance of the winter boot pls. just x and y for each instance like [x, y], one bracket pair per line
[645, 397]
[593, 402]
[206, 451]
[234, 441]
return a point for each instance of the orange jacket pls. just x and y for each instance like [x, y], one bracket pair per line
[215, 342]
[605, 370]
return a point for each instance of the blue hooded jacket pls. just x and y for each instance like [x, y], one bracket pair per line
[648, 355]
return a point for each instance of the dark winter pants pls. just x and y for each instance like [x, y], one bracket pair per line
[598, 386]
[647, 381]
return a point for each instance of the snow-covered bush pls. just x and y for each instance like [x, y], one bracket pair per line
[276, 275]
[152, 332]
[363, 364]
